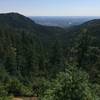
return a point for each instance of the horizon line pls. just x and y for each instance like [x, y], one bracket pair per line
[61, 16]
[52, 15]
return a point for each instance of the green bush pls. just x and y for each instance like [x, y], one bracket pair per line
[6, 98]
[73, 84]
[16, 88]
[4, 93]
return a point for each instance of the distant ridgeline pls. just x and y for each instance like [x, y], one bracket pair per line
[32, 54]
[61, 21]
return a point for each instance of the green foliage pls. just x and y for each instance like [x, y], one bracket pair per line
[16, 88]
[73, 84]
[4, 93]
[31, 56]
[6, 98]
[4, 76]
[3, 90]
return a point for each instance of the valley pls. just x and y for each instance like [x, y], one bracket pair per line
[48, 61]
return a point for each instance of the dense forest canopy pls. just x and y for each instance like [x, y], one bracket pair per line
[51, 63]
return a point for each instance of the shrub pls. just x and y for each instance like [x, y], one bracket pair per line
[73, 84]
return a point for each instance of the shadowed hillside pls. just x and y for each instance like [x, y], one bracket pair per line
[50, 63]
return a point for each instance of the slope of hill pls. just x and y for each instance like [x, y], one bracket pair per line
[22, 23]
[15, 20]
[24, 60]
[26, 63]
[92, 27]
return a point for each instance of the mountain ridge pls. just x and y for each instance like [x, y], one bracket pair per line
[46, 33]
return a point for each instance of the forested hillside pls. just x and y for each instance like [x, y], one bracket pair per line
[51, 63]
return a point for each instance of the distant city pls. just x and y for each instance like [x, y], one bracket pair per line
[63, 21]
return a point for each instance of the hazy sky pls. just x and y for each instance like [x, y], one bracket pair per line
[52, 7]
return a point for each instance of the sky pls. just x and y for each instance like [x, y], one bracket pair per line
[52, 7]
